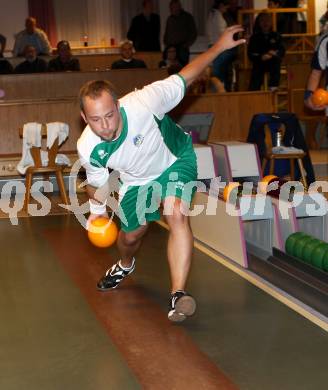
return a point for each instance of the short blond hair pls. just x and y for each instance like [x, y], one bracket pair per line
[94, 89]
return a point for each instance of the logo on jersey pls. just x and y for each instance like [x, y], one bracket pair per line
[179, 185]
[138, 140]
[102, 154]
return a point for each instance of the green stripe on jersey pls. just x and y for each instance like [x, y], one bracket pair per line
[173, 135]
[102, 152]
[184, 82]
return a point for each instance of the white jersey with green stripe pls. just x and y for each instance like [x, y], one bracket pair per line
[149, 142]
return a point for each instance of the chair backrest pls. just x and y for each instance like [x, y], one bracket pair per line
[36, 151]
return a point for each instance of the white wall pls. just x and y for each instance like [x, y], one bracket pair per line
[320, 9]
[12, 19]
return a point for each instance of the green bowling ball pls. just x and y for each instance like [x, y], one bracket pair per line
[291, 241]
[308, 249]
[318, 255]
[299, 246]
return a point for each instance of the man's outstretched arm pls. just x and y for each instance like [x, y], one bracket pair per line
[192, 70]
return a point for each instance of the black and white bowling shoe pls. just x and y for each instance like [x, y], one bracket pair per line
[181, 306]
[114, 276]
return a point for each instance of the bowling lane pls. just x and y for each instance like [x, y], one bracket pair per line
[239, 338]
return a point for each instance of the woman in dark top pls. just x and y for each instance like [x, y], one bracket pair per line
[64, 61]
[265, 50]
[170, 60]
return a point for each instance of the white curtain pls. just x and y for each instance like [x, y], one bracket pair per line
[104, 21]
[71, 20]
[100, 20]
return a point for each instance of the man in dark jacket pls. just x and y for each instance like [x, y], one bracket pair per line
[32, 63]
[127, 61]
[145, 28]
[180, 31]
[265, 50]
[64, 62]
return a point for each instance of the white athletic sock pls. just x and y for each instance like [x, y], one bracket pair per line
[127, 268]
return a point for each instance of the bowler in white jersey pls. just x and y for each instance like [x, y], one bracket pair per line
[156, 163]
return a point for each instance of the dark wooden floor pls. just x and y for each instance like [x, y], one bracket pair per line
[59, 332]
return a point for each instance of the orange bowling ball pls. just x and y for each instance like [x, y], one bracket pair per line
[231, 191]
[102, 232]
[264, 183]
[320, 97]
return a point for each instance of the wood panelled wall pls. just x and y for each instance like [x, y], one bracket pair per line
[102, 61]
[13, 116]
[233, 111]
[59, 85]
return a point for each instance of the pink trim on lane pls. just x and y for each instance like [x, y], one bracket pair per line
[259, 166]
[277, 228]
[215, 161]
[227, 161]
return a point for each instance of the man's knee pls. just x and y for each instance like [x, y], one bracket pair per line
[177, 216]
[131, 238]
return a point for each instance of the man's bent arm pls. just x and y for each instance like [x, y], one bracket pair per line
[191, 71]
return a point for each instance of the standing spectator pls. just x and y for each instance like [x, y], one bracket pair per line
[3, 41]
[145, 28]
[170, 60]
[32, 63]
[265, 50]
[31, 36]
[180, 30]
[64, 61]
[216, 25]
[127, 61]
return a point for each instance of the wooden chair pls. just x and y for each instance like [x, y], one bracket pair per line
[52, 167]
[270, 156]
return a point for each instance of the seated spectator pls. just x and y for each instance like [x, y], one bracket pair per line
[206, 83]
[64, 61]
[3, 41]
[5, 67]
[31, 36]
[145, 28]
[127, 61]
[265, 50]
[170, 60]
[32, 63]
